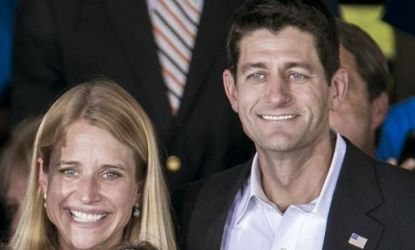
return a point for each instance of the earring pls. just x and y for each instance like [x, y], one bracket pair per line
[45, 197]
[136, 210]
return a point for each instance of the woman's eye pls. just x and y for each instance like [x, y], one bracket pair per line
[256, 76]
[111, 175]
[69, 172]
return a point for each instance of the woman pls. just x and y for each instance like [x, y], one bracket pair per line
[95, 179]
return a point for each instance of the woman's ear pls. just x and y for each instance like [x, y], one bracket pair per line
[338, 89]
[139, 193]
[43, 175]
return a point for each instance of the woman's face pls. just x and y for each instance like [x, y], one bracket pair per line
[91, 188]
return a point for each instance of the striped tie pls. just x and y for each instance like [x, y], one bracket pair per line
[175, 27]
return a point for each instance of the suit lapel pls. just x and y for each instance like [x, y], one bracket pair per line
[222, 209]
[357, 194]
[132, 22]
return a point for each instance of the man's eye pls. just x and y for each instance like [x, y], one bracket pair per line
[69, 172]
[297, 77]
[256, 76]
[111, 175]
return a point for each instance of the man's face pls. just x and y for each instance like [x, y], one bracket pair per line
[280, 93]
[354, 117]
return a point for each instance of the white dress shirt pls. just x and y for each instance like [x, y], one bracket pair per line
[254, 222]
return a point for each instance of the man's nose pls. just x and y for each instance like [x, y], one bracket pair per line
[278, 91]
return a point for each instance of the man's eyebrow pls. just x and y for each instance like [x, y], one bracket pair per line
[303, 65]
[245, 67]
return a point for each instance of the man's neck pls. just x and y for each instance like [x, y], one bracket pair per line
[296, 179]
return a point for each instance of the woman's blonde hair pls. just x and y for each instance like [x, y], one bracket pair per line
[104, 104]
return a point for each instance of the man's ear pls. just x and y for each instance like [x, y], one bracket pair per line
[43, 175]
[338, 88]
[230, 89]
[379, 109]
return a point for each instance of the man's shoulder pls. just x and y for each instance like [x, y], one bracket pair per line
[396, 186]
[397, 210]
[374, 199]
[388, 177]
[395, 181]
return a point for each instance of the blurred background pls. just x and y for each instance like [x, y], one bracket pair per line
[374, 16]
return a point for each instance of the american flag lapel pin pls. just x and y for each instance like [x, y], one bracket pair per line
[357, 241]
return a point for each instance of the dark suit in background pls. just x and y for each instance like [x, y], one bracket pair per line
[370, 197]
[62, 43]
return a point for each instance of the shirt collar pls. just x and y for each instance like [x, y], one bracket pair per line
[320, 206]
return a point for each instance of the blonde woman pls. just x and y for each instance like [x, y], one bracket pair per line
[95, 180]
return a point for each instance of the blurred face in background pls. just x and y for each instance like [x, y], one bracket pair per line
[355, 117]
[14, 197]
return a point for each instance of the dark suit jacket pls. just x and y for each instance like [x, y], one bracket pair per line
[371, 199]
[61, 43]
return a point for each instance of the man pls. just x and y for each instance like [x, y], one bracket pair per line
[306, 188]
[61, 43]
[364, 108]
[366, 102]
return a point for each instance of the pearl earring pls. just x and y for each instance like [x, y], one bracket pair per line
[45, 197]
[136, 210]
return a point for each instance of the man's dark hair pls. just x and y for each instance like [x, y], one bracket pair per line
[310, 16]
[370, 62]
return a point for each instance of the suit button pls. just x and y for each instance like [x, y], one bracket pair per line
[173, 163]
